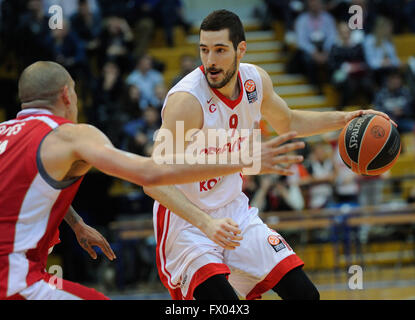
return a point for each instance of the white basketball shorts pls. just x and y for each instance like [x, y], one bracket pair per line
[186, 257]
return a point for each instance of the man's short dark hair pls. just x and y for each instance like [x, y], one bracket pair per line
[224, 19]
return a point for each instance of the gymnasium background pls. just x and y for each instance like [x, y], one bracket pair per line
[355, 234]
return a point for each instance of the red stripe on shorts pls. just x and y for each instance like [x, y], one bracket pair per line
[275, 276]
[205, 273]
[163, 217]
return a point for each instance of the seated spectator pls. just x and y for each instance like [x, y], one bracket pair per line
[316, 33]
[106, 113]
[346, 185]
[69, 51]
[160, 92]
[140, 132]
[284, 11]
[396, 100]
[379, 49]
[116, 42]
[187, 65]
[33, 32]
[170, 14]
[276, 194]
[350, 74]
[146, 79]
[321, 176]
[409, 13]
[69, 8]
[249, 186]
[130, 102]
[87, 24]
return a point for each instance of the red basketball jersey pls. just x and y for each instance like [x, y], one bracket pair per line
[32, 204]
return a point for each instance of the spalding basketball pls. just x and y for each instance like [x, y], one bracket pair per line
[369, 145]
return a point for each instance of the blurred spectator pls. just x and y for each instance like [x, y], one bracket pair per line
[71, 7]
[282, 10]
[370, 190]
[346, 186]
[409, 14]
[143, 23]
[140, 14]
[349, 69]
[274, 194]
[116, 42]
[379, 49]
[249, 186]
[316, 33]
[170, 14]
[34, 33]
[187, 65]
[106, 113]
[87, 24]
[396, 100]
[140, 132]
[160, 92]
[69, 51]
[322, 176]
[393, 10]
[146, 79]
[339, 9]
[130, 102]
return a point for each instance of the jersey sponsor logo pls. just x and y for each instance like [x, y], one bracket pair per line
[250, 89]
[207, 185]
[228, 147]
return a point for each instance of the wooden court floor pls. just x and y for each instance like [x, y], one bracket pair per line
[379, 283]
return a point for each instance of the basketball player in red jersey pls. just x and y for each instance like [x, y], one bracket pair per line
[44, 156]
[225, 93]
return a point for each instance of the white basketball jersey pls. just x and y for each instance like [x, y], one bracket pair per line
[221, 113]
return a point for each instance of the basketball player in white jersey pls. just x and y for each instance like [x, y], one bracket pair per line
[225, 93]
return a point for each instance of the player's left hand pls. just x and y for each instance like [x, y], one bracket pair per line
[351, 115]
[88, 237]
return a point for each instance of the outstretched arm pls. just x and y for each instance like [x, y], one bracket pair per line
[86, 144]
[307, 123]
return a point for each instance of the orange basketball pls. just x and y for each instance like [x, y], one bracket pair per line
[369, 145]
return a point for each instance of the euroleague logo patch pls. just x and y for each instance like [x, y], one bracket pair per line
[276, 243]
[250, 89]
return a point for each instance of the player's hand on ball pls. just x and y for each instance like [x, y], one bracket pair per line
[88, 237]
[224, 232]
[274, 154]
[351, 115]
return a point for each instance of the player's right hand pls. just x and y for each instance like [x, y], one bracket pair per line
[274, 154]
[224, 232]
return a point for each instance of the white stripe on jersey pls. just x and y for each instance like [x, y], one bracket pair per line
[51, 123]
[34, 214]
[19, 265]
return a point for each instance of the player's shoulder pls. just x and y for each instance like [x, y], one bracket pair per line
[264, 76]
[68, 132]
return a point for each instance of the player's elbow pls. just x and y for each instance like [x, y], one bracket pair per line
[151, 179]
[158, 176]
